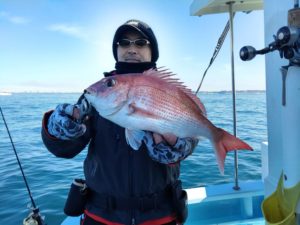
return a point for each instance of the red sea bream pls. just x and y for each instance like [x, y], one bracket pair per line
[156, 101]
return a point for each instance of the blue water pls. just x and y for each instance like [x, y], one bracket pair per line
[50, 177]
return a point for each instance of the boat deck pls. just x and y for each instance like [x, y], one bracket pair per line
[220, 204]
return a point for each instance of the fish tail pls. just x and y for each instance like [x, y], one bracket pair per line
[225, 142]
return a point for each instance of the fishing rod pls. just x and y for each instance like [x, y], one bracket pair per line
[215, 53]
[34, 218]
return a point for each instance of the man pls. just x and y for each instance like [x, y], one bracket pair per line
[124, 186]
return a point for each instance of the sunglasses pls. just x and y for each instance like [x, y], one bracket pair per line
[125, 43]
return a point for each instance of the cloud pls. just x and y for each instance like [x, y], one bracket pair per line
[14, 19]
[71, 30]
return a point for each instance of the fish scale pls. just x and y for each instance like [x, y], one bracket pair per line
[164, 106]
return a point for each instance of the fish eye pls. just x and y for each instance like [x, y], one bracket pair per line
[110, 82]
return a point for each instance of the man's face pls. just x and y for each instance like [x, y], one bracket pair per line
[133, 53]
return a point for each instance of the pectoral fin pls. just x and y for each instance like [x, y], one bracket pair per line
[140, 112]
[134, 138]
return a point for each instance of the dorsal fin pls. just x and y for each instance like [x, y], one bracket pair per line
[168, 77]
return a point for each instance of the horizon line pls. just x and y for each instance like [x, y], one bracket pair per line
[78, 92]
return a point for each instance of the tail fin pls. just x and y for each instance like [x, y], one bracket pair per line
[225, 142]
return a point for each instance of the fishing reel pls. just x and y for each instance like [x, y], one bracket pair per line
[286, 41]
[34, 218]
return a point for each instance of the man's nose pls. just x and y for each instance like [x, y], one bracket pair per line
[132, 49]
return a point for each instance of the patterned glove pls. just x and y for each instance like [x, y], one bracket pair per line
[62, 126]
[167, 154]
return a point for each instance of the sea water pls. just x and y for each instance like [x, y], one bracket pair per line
[49, 177]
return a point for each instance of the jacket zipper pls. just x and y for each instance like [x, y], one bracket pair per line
[132, 221]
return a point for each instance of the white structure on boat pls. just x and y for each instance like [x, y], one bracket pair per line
[281, 152]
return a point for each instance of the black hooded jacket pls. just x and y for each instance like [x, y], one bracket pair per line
[113, 169]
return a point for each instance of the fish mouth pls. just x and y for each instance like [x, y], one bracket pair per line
[90, 91]
[88, 95]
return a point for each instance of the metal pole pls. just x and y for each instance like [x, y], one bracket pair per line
[236, 187]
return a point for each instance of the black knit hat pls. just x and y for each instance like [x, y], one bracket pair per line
[143, 29]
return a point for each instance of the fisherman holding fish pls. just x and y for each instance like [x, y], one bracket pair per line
[132, 165]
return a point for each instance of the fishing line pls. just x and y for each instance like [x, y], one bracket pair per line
[216, 52]
[35, 214]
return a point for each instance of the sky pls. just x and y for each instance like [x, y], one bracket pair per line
[66, 45]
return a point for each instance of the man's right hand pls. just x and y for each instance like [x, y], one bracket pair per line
[62, 124]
